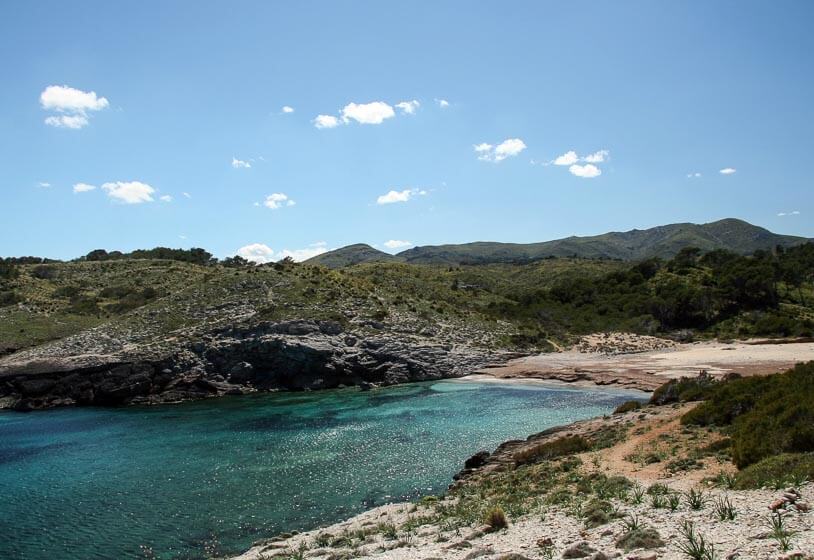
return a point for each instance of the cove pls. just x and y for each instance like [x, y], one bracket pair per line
[207, 478]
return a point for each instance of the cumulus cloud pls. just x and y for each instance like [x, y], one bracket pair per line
[302, 254]
[83, 187]
[568, 158]
[43, 185]
[508, 148]
[72, 104]
[396, 244]
[260, 253]
[399, 196]
[240, 164]
[129, 192]
[596, 157]
[727, 171]
[67, 121]
[186, 195]
[792, 213]
[408, 107]
[326, 121]
[287, 109]
[443, 103]
[694, 175]
[257, 253]
[277, 200]
[165, 198]
[587, 171]
[367, 113]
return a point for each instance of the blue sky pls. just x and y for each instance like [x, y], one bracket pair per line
[634, 98]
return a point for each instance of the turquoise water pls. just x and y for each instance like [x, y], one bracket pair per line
[207, 478]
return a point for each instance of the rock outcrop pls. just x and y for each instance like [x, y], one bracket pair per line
[268, 356]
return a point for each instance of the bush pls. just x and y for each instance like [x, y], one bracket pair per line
[780, 470]
[768, 415]
[627, 407]
[684, 389]
[568, 445]
[44, 272]
[596, 513]
[640, 537]
[496, 518]
[8, 297]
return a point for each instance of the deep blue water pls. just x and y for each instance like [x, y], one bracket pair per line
[209, 477]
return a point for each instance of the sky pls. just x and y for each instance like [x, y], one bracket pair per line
[272, 129]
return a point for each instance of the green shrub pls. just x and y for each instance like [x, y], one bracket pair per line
[778, 470]
[637, 535]
[596, 513]
[8, 297]
[496, 518]
[627, 407]
[568, 445]
[768, 415]
[684, 389]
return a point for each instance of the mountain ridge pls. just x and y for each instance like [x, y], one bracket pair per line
[662, 241]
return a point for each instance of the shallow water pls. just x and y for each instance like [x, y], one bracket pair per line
[209, 477]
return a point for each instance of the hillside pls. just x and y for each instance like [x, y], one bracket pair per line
[350, 255]
[134, 330]
[662, 241]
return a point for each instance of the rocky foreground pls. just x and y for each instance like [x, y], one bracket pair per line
[604, 503]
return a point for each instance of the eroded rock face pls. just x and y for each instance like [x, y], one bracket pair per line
[292, 355]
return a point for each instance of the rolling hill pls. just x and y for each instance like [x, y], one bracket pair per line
[661, 241]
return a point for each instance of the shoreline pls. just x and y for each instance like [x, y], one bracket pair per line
[411, 530]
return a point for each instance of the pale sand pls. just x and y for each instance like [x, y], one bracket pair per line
[647, 370]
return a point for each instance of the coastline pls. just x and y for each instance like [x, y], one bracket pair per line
[560, 528]
[414, 530]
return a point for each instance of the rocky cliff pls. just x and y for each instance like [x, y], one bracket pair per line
[267, 356]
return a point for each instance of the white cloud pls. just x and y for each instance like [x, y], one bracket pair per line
[260, 253]
[396, 244]
[74, 104]
[326, 121]
[257, 253]
[43, 185]
[70, 100]
[129, 192]
[727, 171]
[186, 195]
[568, 158]
[367, 113]
[278, 200]
[596, 157]
[587, 171]
[165, 198]
[399, 196]
[443, 103]
[83, 187]
[408, 107]
[508, 148]
[792, 213]
[67, 121]
[302, 254]
[287, 109]
[693, 175]
[240, 164]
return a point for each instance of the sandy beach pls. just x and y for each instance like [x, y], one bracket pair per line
[644, 363]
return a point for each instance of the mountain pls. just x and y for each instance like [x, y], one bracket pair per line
[352, 254]
[661, 241]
